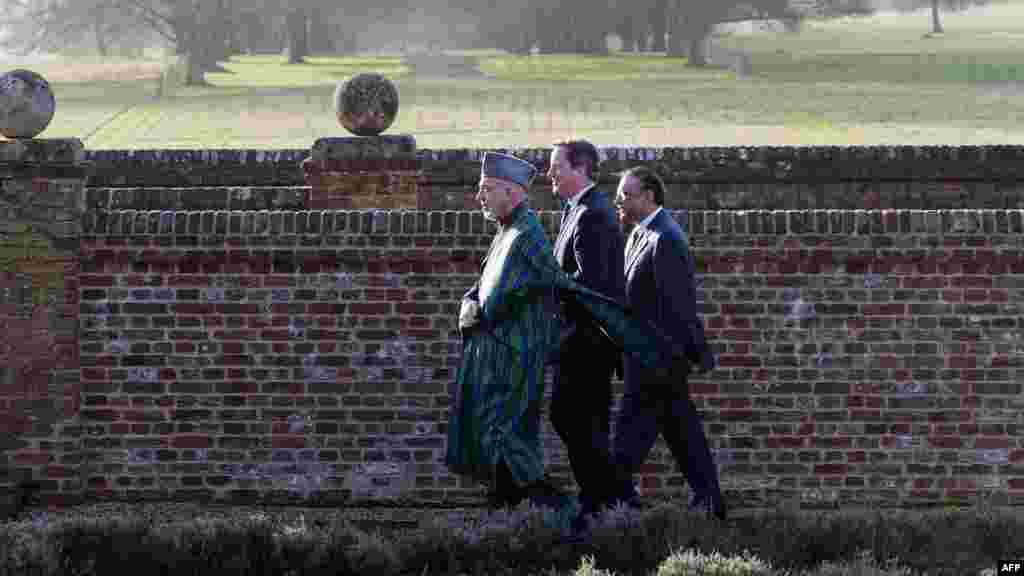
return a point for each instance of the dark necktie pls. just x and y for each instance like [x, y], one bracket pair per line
[565, 212]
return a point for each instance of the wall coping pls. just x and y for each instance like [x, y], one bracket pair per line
[414, 222]
[677, 164]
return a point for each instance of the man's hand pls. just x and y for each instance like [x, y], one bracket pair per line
[469, 315]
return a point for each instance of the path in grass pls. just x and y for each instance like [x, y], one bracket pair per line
[857, 81]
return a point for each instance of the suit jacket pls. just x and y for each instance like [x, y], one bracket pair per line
[661, 289]
[589, 249]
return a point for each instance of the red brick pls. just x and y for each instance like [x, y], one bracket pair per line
[945, 442]
[33, 458]
[288, 442]
[726, 361]
[830, 469]
[888, 361]
[968, 429]
[952, 295]
[704, 388]
[232, 347]
[745, 335]
[60, 472]
[959, 494]
[856, 457]
[94, 374]
[989, 442]
[191, 441]
[785, 442]
[650, 483]
[1015, 483]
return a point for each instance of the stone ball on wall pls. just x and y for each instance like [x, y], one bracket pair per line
[366, 104]
[26, 104]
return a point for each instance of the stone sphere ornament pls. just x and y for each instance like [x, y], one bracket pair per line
[26, 104]
[366, 104]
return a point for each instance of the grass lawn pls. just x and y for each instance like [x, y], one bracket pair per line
[853, 81]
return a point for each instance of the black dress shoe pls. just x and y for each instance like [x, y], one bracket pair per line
[579, 528]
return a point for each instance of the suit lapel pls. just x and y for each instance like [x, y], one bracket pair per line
[570, 223]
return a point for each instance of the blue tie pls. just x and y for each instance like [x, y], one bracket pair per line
[565, 212]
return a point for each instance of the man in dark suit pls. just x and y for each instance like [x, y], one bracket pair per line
[660, 289]
[589, 248]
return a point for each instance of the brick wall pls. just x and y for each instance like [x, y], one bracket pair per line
[229, 351]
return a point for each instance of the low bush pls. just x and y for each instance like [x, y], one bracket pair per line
[663, 541]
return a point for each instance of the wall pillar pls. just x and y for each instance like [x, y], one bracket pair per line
[42, 184]
[361, 173]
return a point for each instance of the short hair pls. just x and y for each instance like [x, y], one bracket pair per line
[649, 180]
[580, 153]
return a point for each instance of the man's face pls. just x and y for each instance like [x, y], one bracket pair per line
[493, 196]
[565, 180]
[629, 201]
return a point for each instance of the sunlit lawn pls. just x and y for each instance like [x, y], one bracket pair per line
[856, 81]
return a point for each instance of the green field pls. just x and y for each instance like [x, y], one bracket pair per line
[854, 81]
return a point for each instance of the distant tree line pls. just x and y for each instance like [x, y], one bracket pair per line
[206, 32]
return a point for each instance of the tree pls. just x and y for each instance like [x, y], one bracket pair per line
[59, 24]
[936, 25]
[297, 47]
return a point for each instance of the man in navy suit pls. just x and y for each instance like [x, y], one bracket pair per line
[589, 249]
[660, 288]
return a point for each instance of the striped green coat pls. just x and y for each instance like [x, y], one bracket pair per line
[499, 386]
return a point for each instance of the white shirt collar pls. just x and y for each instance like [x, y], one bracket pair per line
[576, 199]
[647, 221]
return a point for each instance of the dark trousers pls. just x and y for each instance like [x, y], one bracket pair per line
[505, 491]
[650, 407]
[581, 398]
